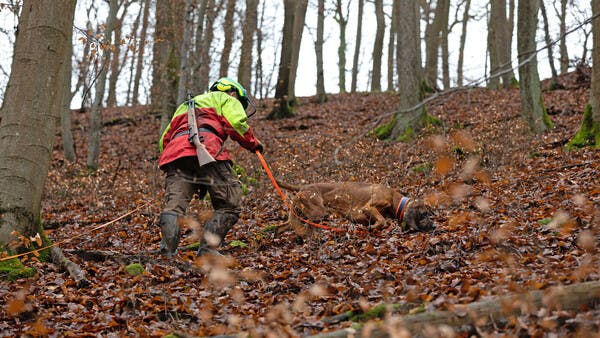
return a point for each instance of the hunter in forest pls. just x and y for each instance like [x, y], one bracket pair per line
[220, 113]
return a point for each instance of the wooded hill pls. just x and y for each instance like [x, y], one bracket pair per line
[515, 213]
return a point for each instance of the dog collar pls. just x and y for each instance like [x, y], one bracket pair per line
[401, 208]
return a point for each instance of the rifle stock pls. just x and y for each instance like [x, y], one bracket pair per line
[203, 155]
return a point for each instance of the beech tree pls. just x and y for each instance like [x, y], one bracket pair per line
[589, 131]
[293, 24]
[532, 102]
[96, 113]
[140, 55]
[411, 116]
[357, 42]
[392, 46]
[248, 31]
[378, 47]
[463, 39]
[228, 32]
[342, 20]
[165, 62]
[321, 94]
[27, 131]
[499, 45]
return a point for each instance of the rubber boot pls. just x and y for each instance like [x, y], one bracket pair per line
[211, 239]
[169, 229]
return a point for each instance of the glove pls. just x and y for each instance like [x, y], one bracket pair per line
[259, 147]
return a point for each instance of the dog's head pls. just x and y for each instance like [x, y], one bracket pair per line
[419, 216]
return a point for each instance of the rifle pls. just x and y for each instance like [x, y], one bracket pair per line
[201, 152]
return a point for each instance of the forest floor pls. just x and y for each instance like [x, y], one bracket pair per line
[515, 212]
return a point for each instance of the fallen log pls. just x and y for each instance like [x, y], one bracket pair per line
[73, 269]
[141, 257]
[478, 314]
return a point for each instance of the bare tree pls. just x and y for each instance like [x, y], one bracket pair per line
[461, 48]
[589, 131]
[294, 12]
[202, 75]
[499, 41]
[321, 94]
[116, 64]
[562, 17]
[355, 65]
[184, 64]
[392, 45]
[29, 113]
[228, 32]
[411, 116]
[199, 83]
[140, 56]
[433, 33]
[248, 31]
[532, 102]
[165, 62]
[378, 47]
[548, 39]
[96, 113]
[297, 29]
[65, 111]
[342, 20]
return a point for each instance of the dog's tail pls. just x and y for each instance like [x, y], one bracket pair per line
[288, 186]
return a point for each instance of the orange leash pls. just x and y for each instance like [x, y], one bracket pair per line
[285, 199]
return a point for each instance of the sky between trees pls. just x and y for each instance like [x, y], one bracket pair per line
[475, 50]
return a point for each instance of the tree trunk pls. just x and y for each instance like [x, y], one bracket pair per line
[298, 28]
[165, 63]
[407, 121]
[228, 32]
[508, 76]
[212, 11]
[184, 52]
[432, 44]
[65, 111]
[342, 22]
[30, 111]
[140, 56]
[589, 131]
[378, 47]
[199, 84]
[564, 53]
[135, 49]
[392, 46]
[445, 11]
[95, 128]
[566, 298]
[355, 65]
[294, 12]
[282, 108]
[321, 94]
[532, 102]
[463, 39]
[548, 39]
[495, 30]
[115, 60]
[244, 76]
[259, 79]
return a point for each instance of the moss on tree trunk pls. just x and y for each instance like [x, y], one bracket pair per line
[406, 128]
[588, 133]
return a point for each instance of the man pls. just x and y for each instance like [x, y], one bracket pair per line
[220, 113]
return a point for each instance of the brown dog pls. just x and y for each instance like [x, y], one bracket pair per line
[364, 203]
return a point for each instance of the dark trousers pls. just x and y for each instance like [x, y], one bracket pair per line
[185, 178]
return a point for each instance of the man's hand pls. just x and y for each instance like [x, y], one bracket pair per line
[259, 147]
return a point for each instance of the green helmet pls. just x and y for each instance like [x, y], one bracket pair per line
[226, 84]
